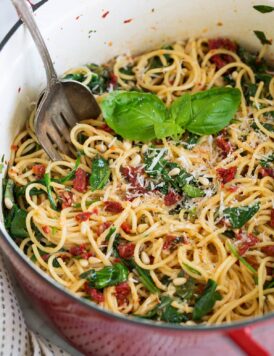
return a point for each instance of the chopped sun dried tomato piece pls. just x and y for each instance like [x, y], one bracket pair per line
[106, 128]
[46, 229]
[268, 250]
[267, 172]
[232, 188]
[113, 206]
[122, 291]
[126, 250]
[39, 170]
[172, 198]
[66, 198]
[80, 251]
[135, 176]
[80, 181]
[84, 216]
[113, 79]
[271, 223]
[103, 227]
[94, 294]
[246, 241]
[224, 145]
[222, 59]
[126, 227]
[226, 175]
[171, 241]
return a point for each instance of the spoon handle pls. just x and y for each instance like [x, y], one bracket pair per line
[24, 11]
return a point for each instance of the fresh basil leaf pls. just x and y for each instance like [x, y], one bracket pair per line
[205, 303]
[193, 192]
[264, 9]
[213, 109]
[167, 128]
[133, 115]
[107, 276]
[100, 173]
[262, 37]
[238, 216]
[18, 226]
[181, 110]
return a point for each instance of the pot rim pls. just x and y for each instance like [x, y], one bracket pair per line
[135, 321]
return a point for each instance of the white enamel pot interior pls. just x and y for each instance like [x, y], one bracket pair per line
[83, 31]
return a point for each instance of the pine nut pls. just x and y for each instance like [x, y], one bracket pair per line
[234, 75]
[141, 228]
[135, 161]
[144, 148]
[174, 172]
[8, 203]
[94, 260]
[101, 147]
[83, 263]
[204, 181]
[144, 257]
[179, 281]
[127, 145]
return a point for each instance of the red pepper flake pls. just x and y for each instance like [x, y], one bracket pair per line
[271, 223]
[103, 227]
[95, 211]
[126, 250]
[94, 294]
[84, 216]
[45, 257]
[77, 17]
[122, 291]
[226, 175]
[14, 147]
[172, 198]
[267, 172]
[66, 199]
[126, 227]
[46, 229]
[128, 20]
[113, 206]
[80, 182]
[246, 242]
[39, 170]
[105, 14]
[224, 145]
[232, 188]
[222, 59]
[268, 250]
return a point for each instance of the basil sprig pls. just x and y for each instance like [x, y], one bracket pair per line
[238, 216]
[100, 173]
[144, 117]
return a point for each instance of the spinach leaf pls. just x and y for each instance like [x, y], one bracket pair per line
[8, 193]
[71, 174]
[145, 278]
[264, 77]
[241, 259]
[191, 269]
[264, 9]
[18, 226]
[166, 312]
[100, 79]
[239, 216]
[133, 115]
[79, 77]
[262, 37]
[47, 181]
[193, 192]
[212, 110]
[186, 291]
[269, 284]
[205, 303]
[249, 90]
[100, 173]
[111, 231]
[107, 276]
[229, 233]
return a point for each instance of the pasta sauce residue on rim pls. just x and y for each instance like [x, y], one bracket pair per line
[167, 210]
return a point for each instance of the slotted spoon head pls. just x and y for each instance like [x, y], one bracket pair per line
[60, 108]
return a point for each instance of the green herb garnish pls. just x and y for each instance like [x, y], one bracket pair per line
[239, 216]
[264, 9]
[100, 173]
[262, 37]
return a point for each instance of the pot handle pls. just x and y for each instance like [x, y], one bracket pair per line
[244, 339]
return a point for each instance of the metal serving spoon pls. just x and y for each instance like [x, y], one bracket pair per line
[63, 103]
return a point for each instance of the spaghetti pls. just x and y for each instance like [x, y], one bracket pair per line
[132, 246]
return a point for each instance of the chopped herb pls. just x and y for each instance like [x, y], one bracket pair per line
[145, 278]
[110, 233]
[193, 192]
[266, 163]
[241, 259]
[18, 228]
[269, 284]
[240, 215]
[264, 9]
[191, 269]
[100, 173]
[71, 175]
[262, 37]
[186, 291]
[47, 181]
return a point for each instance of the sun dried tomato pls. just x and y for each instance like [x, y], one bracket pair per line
[122, 291]
[113, 206]
[267, 172]
[126, 227]
[222, 59]
[46, 229]
[271, 223]
[80, 181]
[39, 170]
[103, 227]
[224, 145]
[268, 250]
[66, 199]
[94, 294]
[84, 216]
[172, 198]
[126, 250]
[246, 241]
[226, 175]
